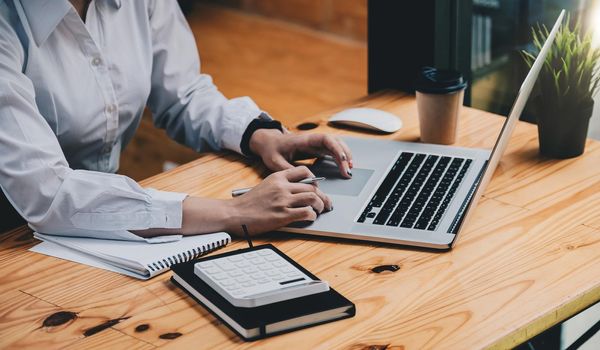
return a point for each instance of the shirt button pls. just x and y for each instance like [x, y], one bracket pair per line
[111, 109]
[96, 61]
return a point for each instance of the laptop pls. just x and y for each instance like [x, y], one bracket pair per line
[413, 193]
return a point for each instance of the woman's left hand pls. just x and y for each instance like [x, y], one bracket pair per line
[277, 150]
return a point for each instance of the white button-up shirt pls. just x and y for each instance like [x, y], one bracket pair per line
[71, 97]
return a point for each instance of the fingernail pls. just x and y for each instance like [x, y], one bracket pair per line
[331, 208]
[344, 156]
[349, 172]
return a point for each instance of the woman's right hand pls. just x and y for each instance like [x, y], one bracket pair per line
[276, 202]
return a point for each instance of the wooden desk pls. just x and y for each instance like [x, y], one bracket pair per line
[528, 260]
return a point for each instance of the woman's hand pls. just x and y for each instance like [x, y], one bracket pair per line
[277, 150]
[278, 201]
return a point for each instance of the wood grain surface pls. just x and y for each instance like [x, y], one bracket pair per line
[528, 260]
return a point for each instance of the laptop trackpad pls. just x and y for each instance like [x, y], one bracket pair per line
[335, 183]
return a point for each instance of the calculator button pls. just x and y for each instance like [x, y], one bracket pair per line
[225, 265]
[248, 284]
[206, 264]
[219, 276]
[235, 258]
[250, 255]
[234, 286]
[235, 273]
[264, 267]
[241, 264]
[256, 261]
[272, 273]
[279, 264]
[211, 270]
[279, 278]
[264, 252]
[243, 279]
[249, 269]
[263, 280]
[272, 258]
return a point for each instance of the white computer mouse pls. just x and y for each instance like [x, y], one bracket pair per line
[368, 118]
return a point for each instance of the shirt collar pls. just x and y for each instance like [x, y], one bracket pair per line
[44, 15]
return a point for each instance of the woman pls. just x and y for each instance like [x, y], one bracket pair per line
[74, 79]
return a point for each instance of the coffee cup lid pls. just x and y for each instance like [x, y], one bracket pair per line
[438, 81]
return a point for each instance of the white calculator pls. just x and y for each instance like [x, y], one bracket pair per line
[257, 276]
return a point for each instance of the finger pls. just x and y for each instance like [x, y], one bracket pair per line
[308, 199]
[325, 198]
[298, 173]
[333, 146]
[300, 188]
[310, 146]
[348, 152]
[277, 163]
[302, 214]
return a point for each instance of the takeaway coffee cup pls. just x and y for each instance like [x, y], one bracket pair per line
[440, 95]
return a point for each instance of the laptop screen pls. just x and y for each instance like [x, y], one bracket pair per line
[511, 120]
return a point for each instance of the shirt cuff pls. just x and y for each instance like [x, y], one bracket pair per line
[166, 209]
[253, 127]
[238, 114]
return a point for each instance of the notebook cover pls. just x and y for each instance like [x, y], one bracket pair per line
[250, 318]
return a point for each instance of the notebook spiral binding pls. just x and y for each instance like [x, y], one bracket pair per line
[186, 256]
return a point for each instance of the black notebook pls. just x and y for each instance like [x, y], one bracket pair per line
[268, 320]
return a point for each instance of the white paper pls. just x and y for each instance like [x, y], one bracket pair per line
[57, 251]
[139, 259]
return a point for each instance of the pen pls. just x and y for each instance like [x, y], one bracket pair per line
[308, 181]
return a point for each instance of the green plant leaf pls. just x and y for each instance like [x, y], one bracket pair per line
[571, 73]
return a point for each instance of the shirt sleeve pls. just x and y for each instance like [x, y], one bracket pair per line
[38, 181]
[183, 101]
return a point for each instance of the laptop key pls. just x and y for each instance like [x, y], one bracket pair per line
[387, 184]
[382, 216]
[426, 197]
[451, 191]
[393, 199]
[362, 217]
[390, 179]
[412, 192]
[416, 191]
[421, 225]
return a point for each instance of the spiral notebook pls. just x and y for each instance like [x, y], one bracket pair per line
[138, 259]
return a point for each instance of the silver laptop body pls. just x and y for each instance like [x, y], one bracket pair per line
[413, 193]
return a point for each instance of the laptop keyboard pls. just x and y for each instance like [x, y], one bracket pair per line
[416, 191]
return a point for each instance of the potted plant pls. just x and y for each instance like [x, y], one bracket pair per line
[567, 83]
